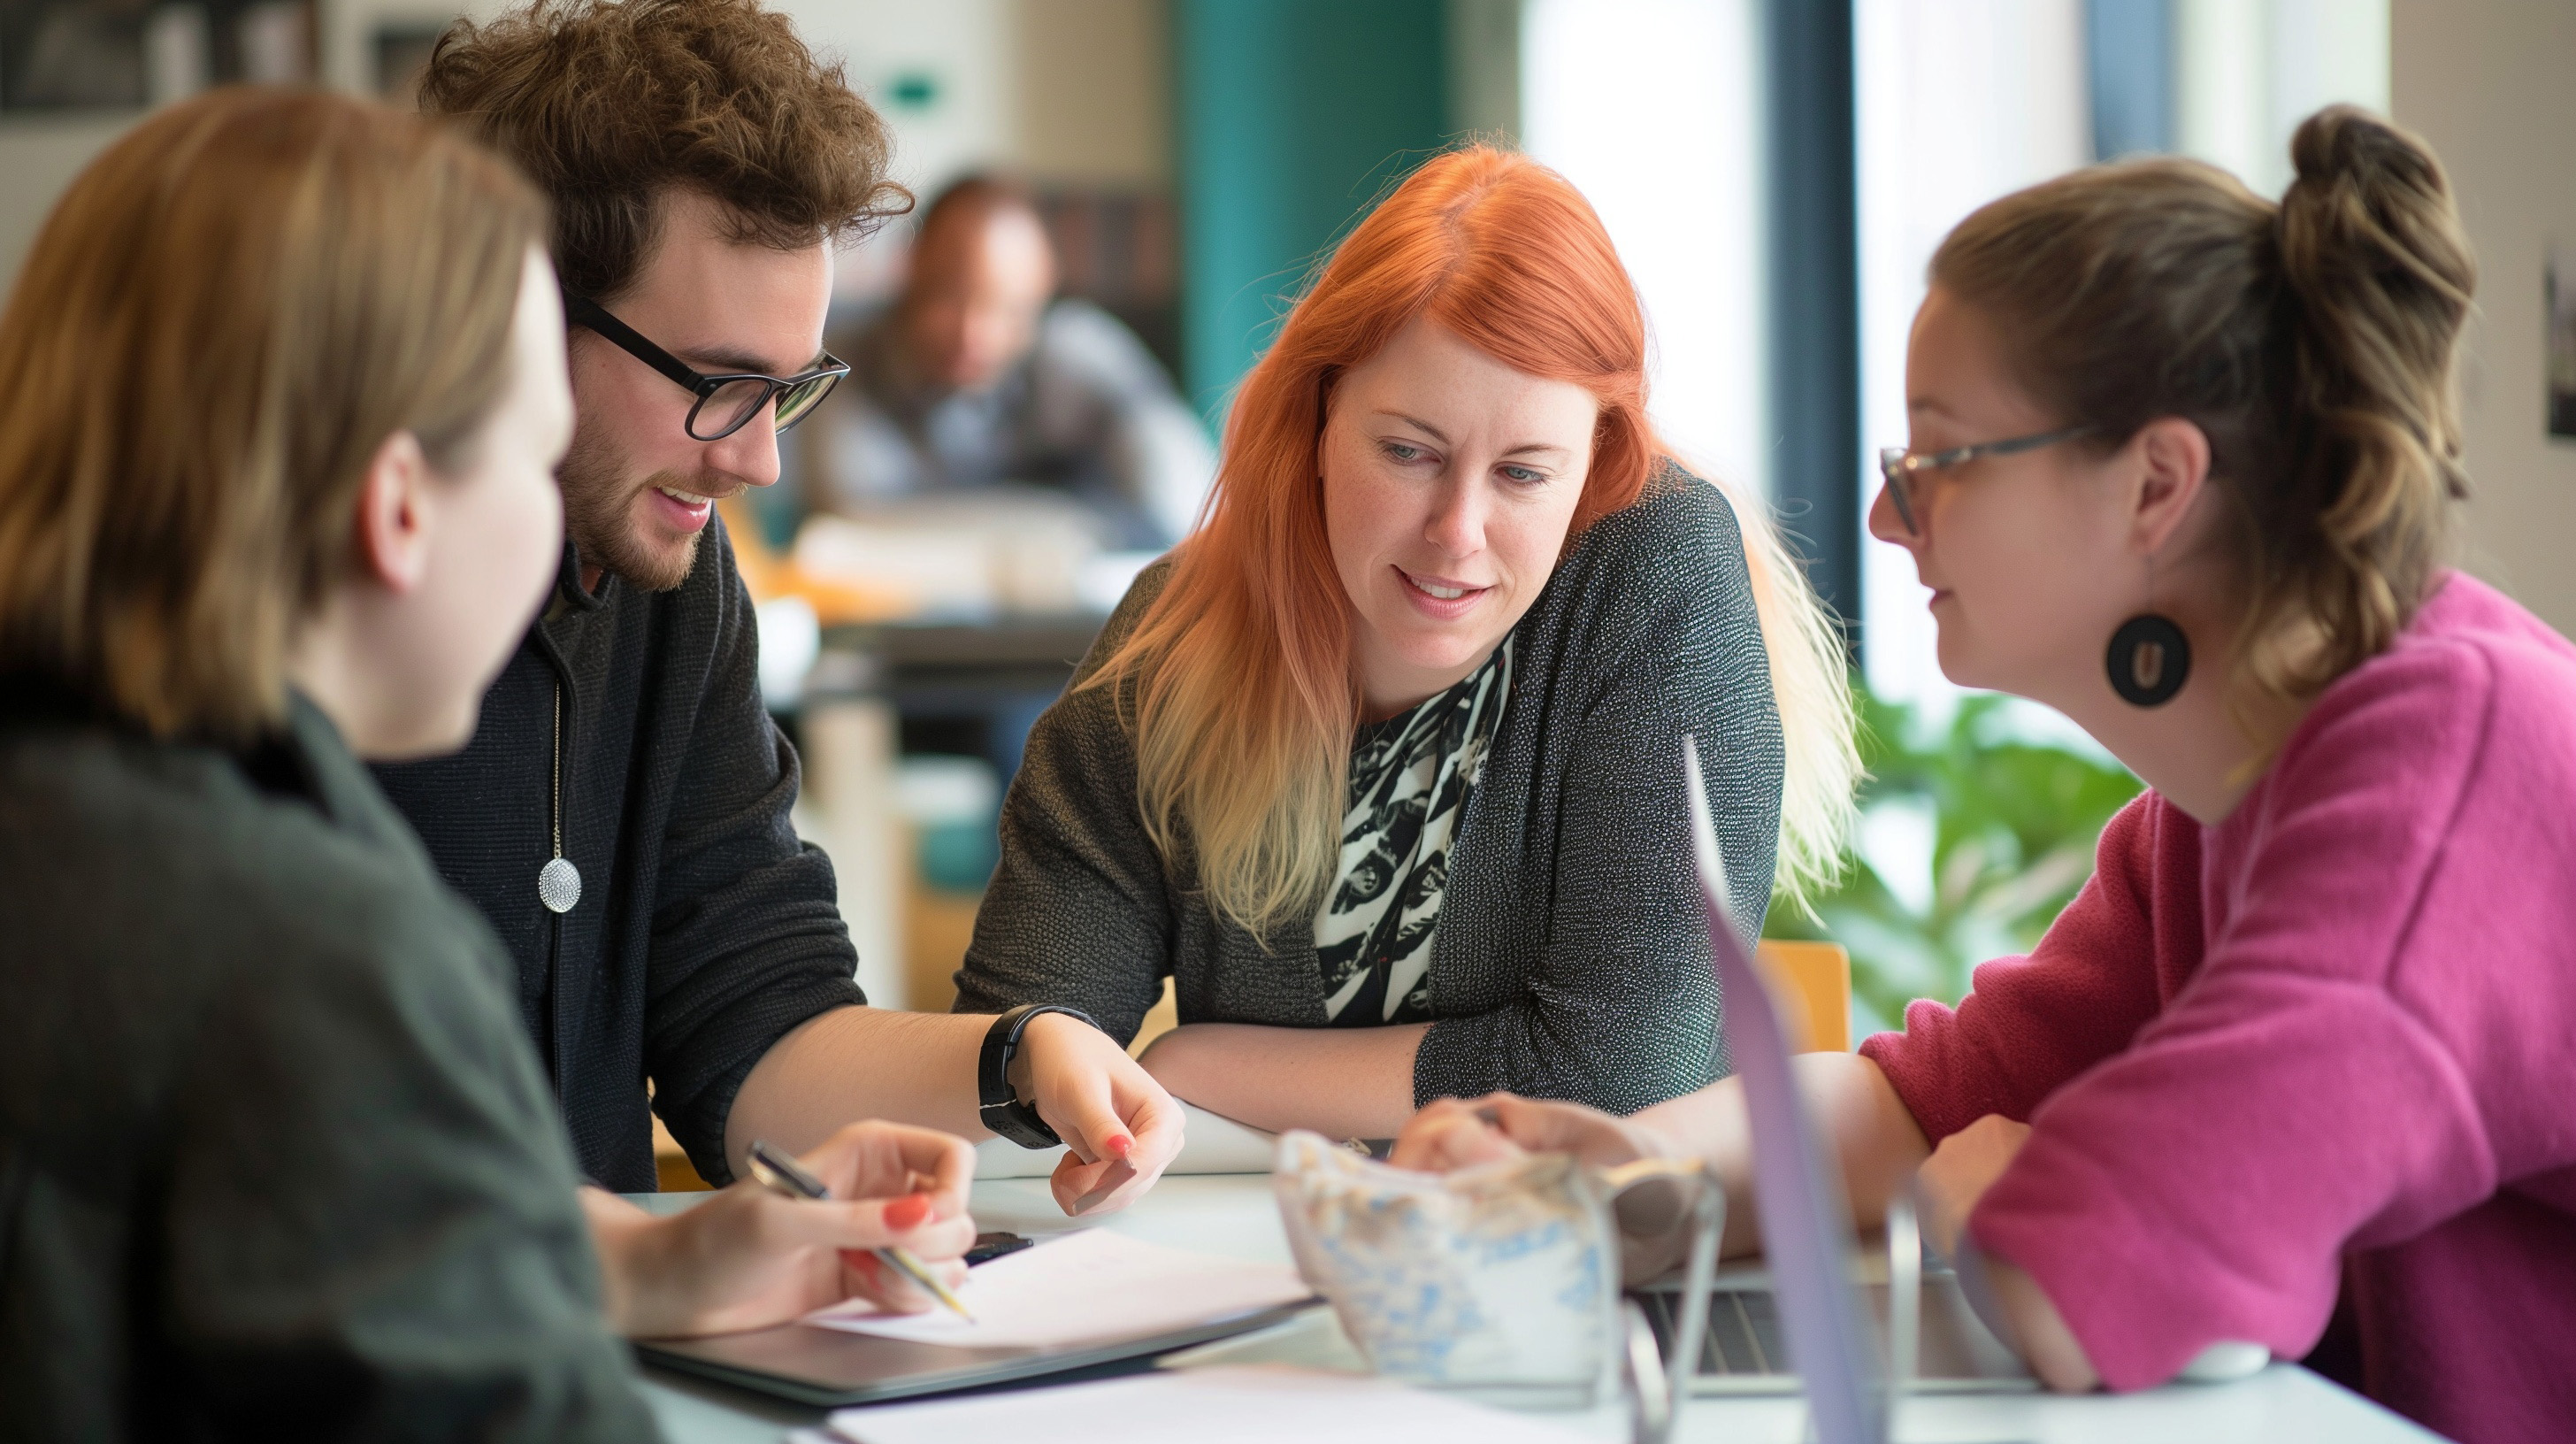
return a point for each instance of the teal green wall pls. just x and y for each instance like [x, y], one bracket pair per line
[1292, 115]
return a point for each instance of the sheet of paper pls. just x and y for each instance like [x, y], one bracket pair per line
[1210, 1143]
[1089, 1287]
[1251, 1404]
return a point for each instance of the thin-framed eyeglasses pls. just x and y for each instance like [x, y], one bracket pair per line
[726, 401]
[1904, 469]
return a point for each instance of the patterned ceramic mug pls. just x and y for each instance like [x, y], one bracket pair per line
[1501, 1276]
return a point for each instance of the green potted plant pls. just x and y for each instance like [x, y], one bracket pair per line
[2013, 820]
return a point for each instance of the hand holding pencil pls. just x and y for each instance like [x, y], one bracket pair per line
[780, 1172]
[761, 1253]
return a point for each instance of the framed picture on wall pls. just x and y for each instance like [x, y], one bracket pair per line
[2558, 288]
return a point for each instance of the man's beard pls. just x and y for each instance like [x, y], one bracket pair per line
[599, 516]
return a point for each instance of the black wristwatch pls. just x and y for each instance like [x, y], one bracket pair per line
[1001, 1108]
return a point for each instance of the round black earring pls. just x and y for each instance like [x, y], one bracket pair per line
[2150, 660]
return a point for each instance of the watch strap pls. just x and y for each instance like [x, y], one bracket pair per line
[999, 1106]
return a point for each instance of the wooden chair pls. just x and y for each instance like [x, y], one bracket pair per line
[1814, 979]
[671, 1167]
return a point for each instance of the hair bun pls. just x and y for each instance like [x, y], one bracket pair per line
[2345, 144]
[2380, 271]
[2371, 205]
[2311, 341]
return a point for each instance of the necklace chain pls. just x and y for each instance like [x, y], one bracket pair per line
[554, 814]
[558, 882]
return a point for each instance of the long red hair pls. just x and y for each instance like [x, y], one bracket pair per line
[1237, 683]
[1243, 699]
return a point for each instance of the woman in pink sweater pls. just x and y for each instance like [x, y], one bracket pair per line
[2295, 1075]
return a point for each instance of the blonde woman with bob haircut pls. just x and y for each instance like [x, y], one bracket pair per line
[282, 388]
[1381, 766]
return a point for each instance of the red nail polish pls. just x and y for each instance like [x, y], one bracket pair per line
[1120, 1145]
[908, 1210]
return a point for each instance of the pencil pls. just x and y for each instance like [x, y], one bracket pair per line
[780, 1173]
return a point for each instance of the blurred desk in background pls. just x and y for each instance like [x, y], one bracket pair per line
[869, 681]
[937, 667]
[908, 649]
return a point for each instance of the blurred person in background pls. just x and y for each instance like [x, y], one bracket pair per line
[281, 391]
[979, 376]
[622, 815]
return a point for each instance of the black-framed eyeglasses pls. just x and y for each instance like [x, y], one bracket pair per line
[1903, 468]
[727, 401]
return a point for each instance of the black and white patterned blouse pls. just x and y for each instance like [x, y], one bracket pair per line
[1410, 776]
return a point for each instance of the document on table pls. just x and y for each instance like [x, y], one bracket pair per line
[1089, 1287]
[1246, 1404]
[1210, 1143]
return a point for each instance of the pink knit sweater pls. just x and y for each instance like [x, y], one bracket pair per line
[2321, 1053]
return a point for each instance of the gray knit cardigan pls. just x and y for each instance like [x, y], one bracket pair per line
[1571, 961]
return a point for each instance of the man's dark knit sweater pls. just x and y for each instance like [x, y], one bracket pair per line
[705, 931]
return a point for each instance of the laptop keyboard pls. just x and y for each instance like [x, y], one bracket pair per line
[1745, 1340]
[1743, 1331]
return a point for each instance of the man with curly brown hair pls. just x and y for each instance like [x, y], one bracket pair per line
[622, 813]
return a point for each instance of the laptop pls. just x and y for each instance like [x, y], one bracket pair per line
[1806, 1316]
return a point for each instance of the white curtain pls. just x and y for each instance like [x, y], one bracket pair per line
[1960, 101]
[1652, 108]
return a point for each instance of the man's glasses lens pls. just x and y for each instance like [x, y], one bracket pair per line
[730, 407]
[801, 398]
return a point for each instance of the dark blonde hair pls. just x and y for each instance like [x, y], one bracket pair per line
[2314, 341]
[221, 322]
[609, 104]
[1240, 672]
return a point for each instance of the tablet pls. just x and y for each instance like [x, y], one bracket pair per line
[823, 1366]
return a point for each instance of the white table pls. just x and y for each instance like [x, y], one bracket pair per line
[1233, 1215]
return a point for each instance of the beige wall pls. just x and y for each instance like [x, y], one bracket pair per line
[2492, 84]
[1094, 90]
[38, 158]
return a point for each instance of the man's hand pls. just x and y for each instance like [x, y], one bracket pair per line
[748, 1258]
[1120, 1129]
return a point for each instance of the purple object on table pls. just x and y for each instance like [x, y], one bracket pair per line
[1797, 1189]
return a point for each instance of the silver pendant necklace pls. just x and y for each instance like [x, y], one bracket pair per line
[559, 882]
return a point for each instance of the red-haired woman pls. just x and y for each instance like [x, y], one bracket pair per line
[1381, 765]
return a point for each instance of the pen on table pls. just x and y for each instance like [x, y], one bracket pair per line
[779, 1172]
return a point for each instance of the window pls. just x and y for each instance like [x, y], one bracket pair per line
[1652, 109]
